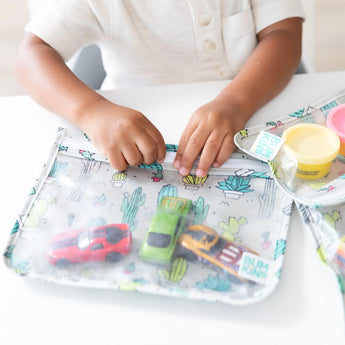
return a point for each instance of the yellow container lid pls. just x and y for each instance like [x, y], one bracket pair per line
[311, 143]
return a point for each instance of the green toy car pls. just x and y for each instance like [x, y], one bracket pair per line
[165, 228]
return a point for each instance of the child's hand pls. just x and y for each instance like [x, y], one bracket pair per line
[123, 135]
[210, 132]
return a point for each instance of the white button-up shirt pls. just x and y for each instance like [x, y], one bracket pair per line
[150, 42]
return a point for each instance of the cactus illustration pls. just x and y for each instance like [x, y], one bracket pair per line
[200, 210]
[306, 213]
[90, 168]
[266, 242]
[235, 186]
[167, 190]
[119, 178]
[87, 154]
[232, 227]
[279, 249]
[57, 169]
[15, 227]
[100, 200]
[63, 148]
[274, 168]
[321, 251]
[193, 181]
[215, 283]
[157, 176]
[132, 285]
[130, 207]
[178, 270]
[244, 133]
[331, 219]
[341, 282]
[37, 211]
[299, 113]
[267, 199]
[9, 251]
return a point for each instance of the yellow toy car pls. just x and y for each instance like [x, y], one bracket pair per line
[203, 243]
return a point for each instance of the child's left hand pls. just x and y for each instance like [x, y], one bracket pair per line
[210, 131]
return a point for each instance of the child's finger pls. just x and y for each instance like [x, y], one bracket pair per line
[185, 137]
[148, 148]
[132, 155]
[117, 161]
[192, 150]
[225, 151]
[160, 146]
[209, 153]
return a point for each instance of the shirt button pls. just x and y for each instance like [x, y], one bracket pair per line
[209, 46]
[204, 20]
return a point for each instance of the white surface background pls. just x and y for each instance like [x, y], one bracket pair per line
[306, 308]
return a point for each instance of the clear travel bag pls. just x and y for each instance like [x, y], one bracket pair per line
[320, 200]
[149, 229]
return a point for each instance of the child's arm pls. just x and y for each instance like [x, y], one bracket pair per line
[267, 71]
[124, 135]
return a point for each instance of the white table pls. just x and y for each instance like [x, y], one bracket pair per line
[306, 308]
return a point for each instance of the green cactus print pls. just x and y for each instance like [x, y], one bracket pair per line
[341, 282]
[8, 252]
[15, 227]
[132, 285]
[232, 227]
[57, 169]
[215, 283]
[167, 190]
[321, 251]
[178, 270]
[37, 212]
[200, 210]
[332, 219]
[130, 207]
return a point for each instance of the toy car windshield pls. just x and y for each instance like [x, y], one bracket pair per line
[165, 228]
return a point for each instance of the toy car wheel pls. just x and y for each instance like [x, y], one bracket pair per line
[61, 263]
[185, 253]
[114, 257]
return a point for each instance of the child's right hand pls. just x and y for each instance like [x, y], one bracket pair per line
[125, 136]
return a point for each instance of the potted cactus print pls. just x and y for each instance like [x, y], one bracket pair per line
[194, 182]
[119, 178]
[157, 176]
[234, 186]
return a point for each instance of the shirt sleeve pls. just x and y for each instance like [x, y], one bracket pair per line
[268, 12]
[68, 25]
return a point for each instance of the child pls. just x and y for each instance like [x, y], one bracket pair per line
[257, 43]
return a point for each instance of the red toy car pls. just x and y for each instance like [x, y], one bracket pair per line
[109, 242]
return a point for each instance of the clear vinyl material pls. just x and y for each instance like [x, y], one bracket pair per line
[320, 201]
[319, 192]
[148, 229]
[327, 227]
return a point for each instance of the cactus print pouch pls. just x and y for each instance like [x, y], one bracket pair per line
[321, 192]
[320, 202]
[327, 229]
[87, 225]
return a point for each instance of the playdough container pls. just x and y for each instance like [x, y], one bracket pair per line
[313, 146]
[336, 122]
